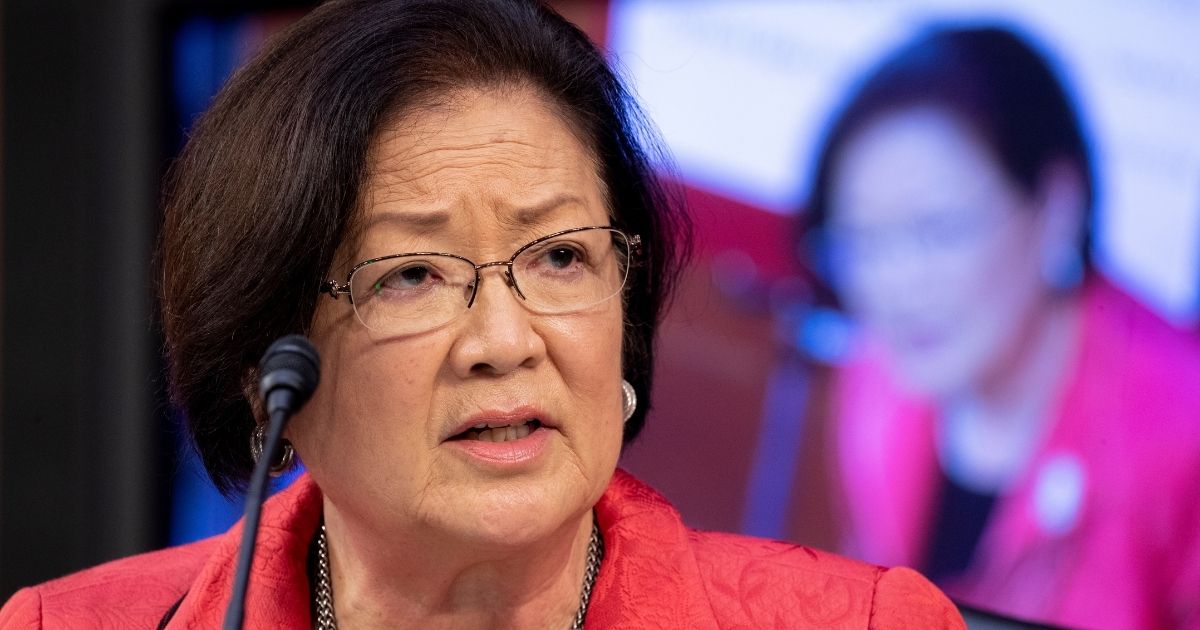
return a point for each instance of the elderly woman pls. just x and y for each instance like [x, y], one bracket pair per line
[451, 200]
[1010, 422]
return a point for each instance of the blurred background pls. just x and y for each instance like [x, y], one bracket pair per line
[749, 430]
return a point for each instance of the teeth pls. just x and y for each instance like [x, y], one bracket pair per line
[502, 433]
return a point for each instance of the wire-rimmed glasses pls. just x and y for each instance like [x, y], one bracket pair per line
[563, 272]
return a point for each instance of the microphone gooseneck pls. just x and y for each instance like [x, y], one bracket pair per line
[290, 370]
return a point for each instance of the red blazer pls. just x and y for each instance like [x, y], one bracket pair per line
[656, 574]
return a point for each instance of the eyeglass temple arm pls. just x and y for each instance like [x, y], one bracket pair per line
[334, 289]
[635, 243]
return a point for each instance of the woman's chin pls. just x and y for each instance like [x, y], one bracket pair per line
[513, 512]
[934, 373]
[515, 527]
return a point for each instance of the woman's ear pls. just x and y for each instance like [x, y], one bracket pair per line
[1061, 209]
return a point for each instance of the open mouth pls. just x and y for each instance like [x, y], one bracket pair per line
[493, 432]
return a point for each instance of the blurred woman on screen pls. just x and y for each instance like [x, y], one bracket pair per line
[1008, 421]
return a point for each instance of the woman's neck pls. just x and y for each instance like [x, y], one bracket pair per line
[388, 580]
[988, 433]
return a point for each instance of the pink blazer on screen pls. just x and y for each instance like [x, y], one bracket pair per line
[1103, 528]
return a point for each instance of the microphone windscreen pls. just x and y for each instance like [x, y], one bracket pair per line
[290, 362]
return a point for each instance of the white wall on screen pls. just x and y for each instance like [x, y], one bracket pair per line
[742, 90]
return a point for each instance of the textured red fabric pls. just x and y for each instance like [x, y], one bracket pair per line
[656, 574]
[659, 574]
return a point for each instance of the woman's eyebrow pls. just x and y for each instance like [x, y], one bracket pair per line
[537, 213]
[421, 221]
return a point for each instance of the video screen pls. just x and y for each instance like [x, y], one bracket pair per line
[943, 312]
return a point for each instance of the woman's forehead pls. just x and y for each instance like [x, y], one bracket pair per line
[489, 171]
[476, 130]
[915, 157]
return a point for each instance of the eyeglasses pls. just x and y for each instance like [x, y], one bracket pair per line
[931, 237]
[563, 272]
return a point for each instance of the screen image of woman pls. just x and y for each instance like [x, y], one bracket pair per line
[454, 201]
[1009, 421]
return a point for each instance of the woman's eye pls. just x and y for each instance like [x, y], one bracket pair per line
[406, 278]
[561, 257]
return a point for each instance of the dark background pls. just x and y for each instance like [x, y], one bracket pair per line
[80, 472]
[87, 448]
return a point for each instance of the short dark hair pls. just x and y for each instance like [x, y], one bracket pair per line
[988, 77]
[267, 187]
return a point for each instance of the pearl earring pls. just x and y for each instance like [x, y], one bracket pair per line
[628, 400]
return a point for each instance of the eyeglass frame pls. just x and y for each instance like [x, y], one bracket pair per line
[335, 289]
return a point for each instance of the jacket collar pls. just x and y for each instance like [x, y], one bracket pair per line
[649, 574]
[650, 577]
[278, 592]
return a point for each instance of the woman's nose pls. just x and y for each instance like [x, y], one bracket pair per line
[498, 333]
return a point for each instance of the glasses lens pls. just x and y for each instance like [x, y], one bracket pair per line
[572, 271]
[411, 294]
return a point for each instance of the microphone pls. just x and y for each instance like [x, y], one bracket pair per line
[290, 370]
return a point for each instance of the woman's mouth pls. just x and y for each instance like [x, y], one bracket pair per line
[504, 441]
[500, 432]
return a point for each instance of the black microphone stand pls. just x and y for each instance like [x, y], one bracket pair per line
[290, 371]
[236, 611]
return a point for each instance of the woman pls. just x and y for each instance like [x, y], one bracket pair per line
[1010, 423]
[450, 199]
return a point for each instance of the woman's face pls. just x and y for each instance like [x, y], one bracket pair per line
[386, 434]
[934, 249]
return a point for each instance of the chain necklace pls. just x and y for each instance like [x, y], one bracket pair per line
[324, 593]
